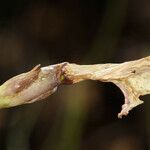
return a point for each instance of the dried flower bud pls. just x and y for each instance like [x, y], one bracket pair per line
[32, 86]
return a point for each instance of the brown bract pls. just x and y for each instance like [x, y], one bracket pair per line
[133, 78]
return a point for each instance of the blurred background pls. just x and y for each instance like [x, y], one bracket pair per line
[81, 116]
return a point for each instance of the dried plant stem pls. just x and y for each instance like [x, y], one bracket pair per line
[132, 77]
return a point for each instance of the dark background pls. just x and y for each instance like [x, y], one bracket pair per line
[81, 116]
